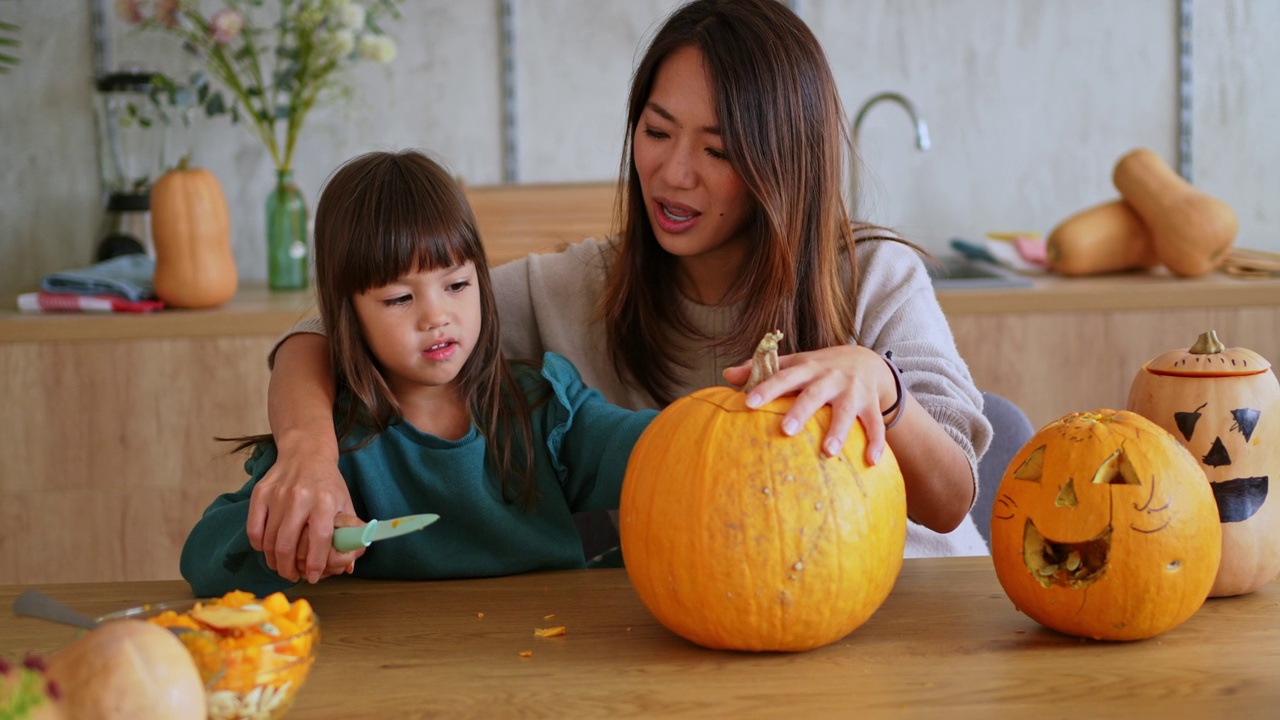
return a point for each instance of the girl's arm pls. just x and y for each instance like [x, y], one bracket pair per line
[297, 500]
[589, 440]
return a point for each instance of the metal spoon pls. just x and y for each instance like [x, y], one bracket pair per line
[33, 603]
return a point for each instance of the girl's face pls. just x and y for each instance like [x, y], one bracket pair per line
[422, 327]
[697, 204]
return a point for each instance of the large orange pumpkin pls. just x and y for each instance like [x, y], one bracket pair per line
[191, 231]
[739, 537]
[1223, 404]
[1104, 527]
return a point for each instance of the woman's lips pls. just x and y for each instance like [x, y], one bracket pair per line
[674, 218]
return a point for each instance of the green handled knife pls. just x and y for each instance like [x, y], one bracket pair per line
[346, 539]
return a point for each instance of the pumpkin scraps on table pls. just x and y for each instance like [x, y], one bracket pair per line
[795, 549]
[1104, 527]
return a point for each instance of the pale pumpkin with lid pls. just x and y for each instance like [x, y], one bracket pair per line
[1223, 404]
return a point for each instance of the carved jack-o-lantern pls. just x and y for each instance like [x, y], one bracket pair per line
[1224, 405]
[1104, 527]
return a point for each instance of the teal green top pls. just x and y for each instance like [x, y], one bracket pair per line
[581, 447]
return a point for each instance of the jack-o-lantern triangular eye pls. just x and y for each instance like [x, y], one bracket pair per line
[1186, 421]
[1117, 470]
[1033, 467]
[1246, 421]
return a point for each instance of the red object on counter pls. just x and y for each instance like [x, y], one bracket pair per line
[47, 302]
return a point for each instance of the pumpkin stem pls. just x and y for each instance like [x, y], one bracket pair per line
[1207, 344]
[764, 362]
[184, 163]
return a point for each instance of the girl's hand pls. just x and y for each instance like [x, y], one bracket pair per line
[336, 563]
[853, 380]
[292, 513]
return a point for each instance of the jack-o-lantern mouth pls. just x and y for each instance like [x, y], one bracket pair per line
[1239, 498]
[1070, 565]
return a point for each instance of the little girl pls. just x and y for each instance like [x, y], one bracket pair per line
[429, 414]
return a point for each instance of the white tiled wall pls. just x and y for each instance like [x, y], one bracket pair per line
[1028, 103]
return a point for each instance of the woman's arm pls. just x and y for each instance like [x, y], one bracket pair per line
[217, 556]
[942, 431]
[303, 492]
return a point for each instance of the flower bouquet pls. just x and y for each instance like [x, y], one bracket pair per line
[275, 60]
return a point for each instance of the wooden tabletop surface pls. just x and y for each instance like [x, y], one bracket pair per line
[947, 643]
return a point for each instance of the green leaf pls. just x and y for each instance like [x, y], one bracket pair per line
[214, 105]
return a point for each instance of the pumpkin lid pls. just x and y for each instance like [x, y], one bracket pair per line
[1209, 358]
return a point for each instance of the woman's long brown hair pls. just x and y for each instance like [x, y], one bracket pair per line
[785, 135]
[381, 216]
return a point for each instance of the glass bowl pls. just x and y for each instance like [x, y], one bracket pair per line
[249, 671]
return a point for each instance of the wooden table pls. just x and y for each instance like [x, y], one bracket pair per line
[947, 643]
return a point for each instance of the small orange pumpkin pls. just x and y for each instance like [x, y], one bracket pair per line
[191, 231]
[1104, 527]
[1223, 404]
[739, 537]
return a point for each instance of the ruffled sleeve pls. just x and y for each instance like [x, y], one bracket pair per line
[588, 440]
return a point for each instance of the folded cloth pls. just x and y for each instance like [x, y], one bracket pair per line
[44, 302]
[125, 276]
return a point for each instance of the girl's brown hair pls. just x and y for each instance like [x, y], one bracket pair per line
[381, 216]
[785, 135]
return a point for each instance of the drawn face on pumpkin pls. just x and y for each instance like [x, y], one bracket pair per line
[1223, 438]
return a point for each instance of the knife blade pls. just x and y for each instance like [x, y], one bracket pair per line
[346, 539]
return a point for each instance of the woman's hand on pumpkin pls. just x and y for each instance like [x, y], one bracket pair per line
[292, 512]
[853, 380]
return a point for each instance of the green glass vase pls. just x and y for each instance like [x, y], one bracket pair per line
[286, 235]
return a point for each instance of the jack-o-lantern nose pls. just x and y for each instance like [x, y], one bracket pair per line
[1217, 455]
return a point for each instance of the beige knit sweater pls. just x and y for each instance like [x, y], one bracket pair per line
[546, 303]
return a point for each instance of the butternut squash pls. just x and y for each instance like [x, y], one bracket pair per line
[1105, 238]
[191, 231]
[1191, 230]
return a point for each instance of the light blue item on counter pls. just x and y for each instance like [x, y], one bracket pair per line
[125, 276]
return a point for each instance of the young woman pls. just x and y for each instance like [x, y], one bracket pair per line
[733, 225]
[429, 414]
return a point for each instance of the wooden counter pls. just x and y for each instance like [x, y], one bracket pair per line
[1071, 344]
[946, 643]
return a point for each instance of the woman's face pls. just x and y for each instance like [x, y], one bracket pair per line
[422, 327]
[697, 204]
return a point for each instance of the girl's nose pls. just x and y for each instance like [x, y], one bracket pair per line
[433, 316]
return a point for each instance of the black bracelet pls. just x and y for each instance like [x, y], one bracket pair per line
[897, 387]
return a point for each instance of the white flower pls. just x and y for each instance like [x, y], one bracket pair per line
[377, 48]
[351, 15]
[226, 25]
[339, 43]
[130, 10]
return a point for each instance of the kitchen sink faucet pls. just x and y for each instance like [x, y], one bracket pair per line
[922, 138]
